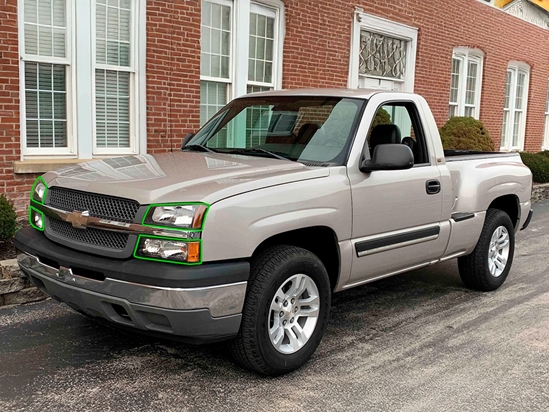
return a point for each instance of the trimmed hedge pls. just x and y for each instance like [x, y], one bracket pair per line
[465, 133]
[538, 164]
[7, 219]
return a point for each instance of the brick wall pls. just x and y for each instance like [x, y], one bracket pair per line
[316, 54]
[15, 187]
[173, 72]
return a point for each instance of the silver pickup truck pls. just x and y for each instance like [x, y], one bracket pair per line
[280, 200]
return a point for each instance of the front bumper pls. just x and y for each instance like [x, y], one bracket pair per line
[199, 314]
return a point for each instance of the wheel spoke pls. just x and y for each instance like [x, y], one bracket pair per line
[309, 312]
[310, 301]
[298, 286]
[277, 335]
[275, 307]
[492, 267]
[280, 296]
[299, 333]
[294, 340]
[503, 241]
[495, 236]
[500, 262]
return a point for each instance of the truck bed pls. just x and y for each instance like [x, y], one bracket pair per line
[460, 155]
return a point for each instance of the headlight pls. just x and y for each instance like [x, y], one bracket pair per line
[169, 250]
[39, 189]
[36, 218]
[183, 216]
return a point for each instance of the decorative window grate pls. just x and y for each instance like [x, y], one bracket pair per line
[382, 56]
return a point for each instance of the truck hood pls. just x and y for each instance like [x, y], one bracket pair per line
[180, 176]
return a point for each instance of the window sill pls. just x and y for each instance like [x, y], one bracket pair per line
[43, 165]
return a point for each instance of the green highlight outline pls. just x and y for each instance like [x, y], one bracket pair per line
[176, 204]
[135, 255]
[39, 178]
[31, 208]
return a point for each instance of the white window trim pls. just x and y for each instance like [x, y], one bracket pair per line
[466, 55]
[545, 143]
[81, 71]
[134, 89]
[272, 13]
[69, 77]
[517, 67]
[386, 27]
[238, 72]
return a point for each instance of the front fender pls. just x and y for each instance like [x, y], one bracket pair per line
[236, 226]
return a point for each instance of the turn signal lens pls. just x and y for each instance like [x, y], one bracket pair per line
[193, 254]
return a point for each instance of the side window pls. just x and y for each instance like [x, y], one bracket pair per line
[399, 122]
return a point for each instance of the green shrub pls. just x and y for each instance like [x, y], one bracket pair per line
[465, 133]
[538, 164]
[382, 117]
[7, 218]
[544, 153]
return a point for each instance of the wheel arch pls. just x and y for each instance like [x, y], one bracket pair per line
[510, 204]
[320, 240]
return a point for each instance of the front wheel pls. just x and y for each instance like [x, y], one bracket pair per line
[488, 266]
[285, 313]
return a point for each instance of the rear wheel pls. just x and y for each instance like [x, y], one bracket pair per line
[488, 266]
[285, 313]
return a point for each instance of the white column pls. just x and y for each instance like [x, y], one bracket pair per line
[83, 78]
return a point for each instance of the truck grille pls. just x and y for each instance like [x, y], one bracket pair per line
[90, 240]
[95, 237]
[104, 207]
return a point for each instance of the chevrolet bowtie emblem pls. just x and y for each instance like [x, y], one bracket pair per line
[78, 219]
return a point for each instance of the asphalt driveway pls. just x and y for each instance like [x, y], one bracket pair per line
[415, 342]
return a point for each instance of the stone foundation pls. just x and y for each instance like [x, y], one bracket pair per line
[540, 192]
[15, 289]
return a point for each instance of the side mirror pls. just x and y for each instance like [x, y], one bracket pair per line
[186, 139]
[389, 157]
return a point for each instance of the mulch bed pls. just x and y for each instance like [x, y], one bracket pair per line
[7, 250]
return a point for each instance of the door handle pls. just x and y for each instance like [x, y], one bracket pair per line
[432, 187]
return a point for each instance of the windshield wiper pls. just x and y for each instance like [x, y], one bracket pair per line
[199, 146]
[257, 149]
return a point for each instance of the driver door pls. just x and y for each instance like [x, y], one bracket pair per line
[397, 213]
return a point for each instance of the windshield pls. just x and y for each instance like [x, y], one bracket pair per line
[315, 130]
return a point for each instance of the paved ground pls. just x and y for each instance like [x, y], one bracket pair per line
[415, 342]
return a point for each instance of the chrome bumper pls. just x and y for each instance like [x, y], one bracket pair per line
[222, 300]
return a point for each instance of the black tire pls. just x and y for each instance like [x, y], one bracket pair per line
[474, 268]
[270, 269]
